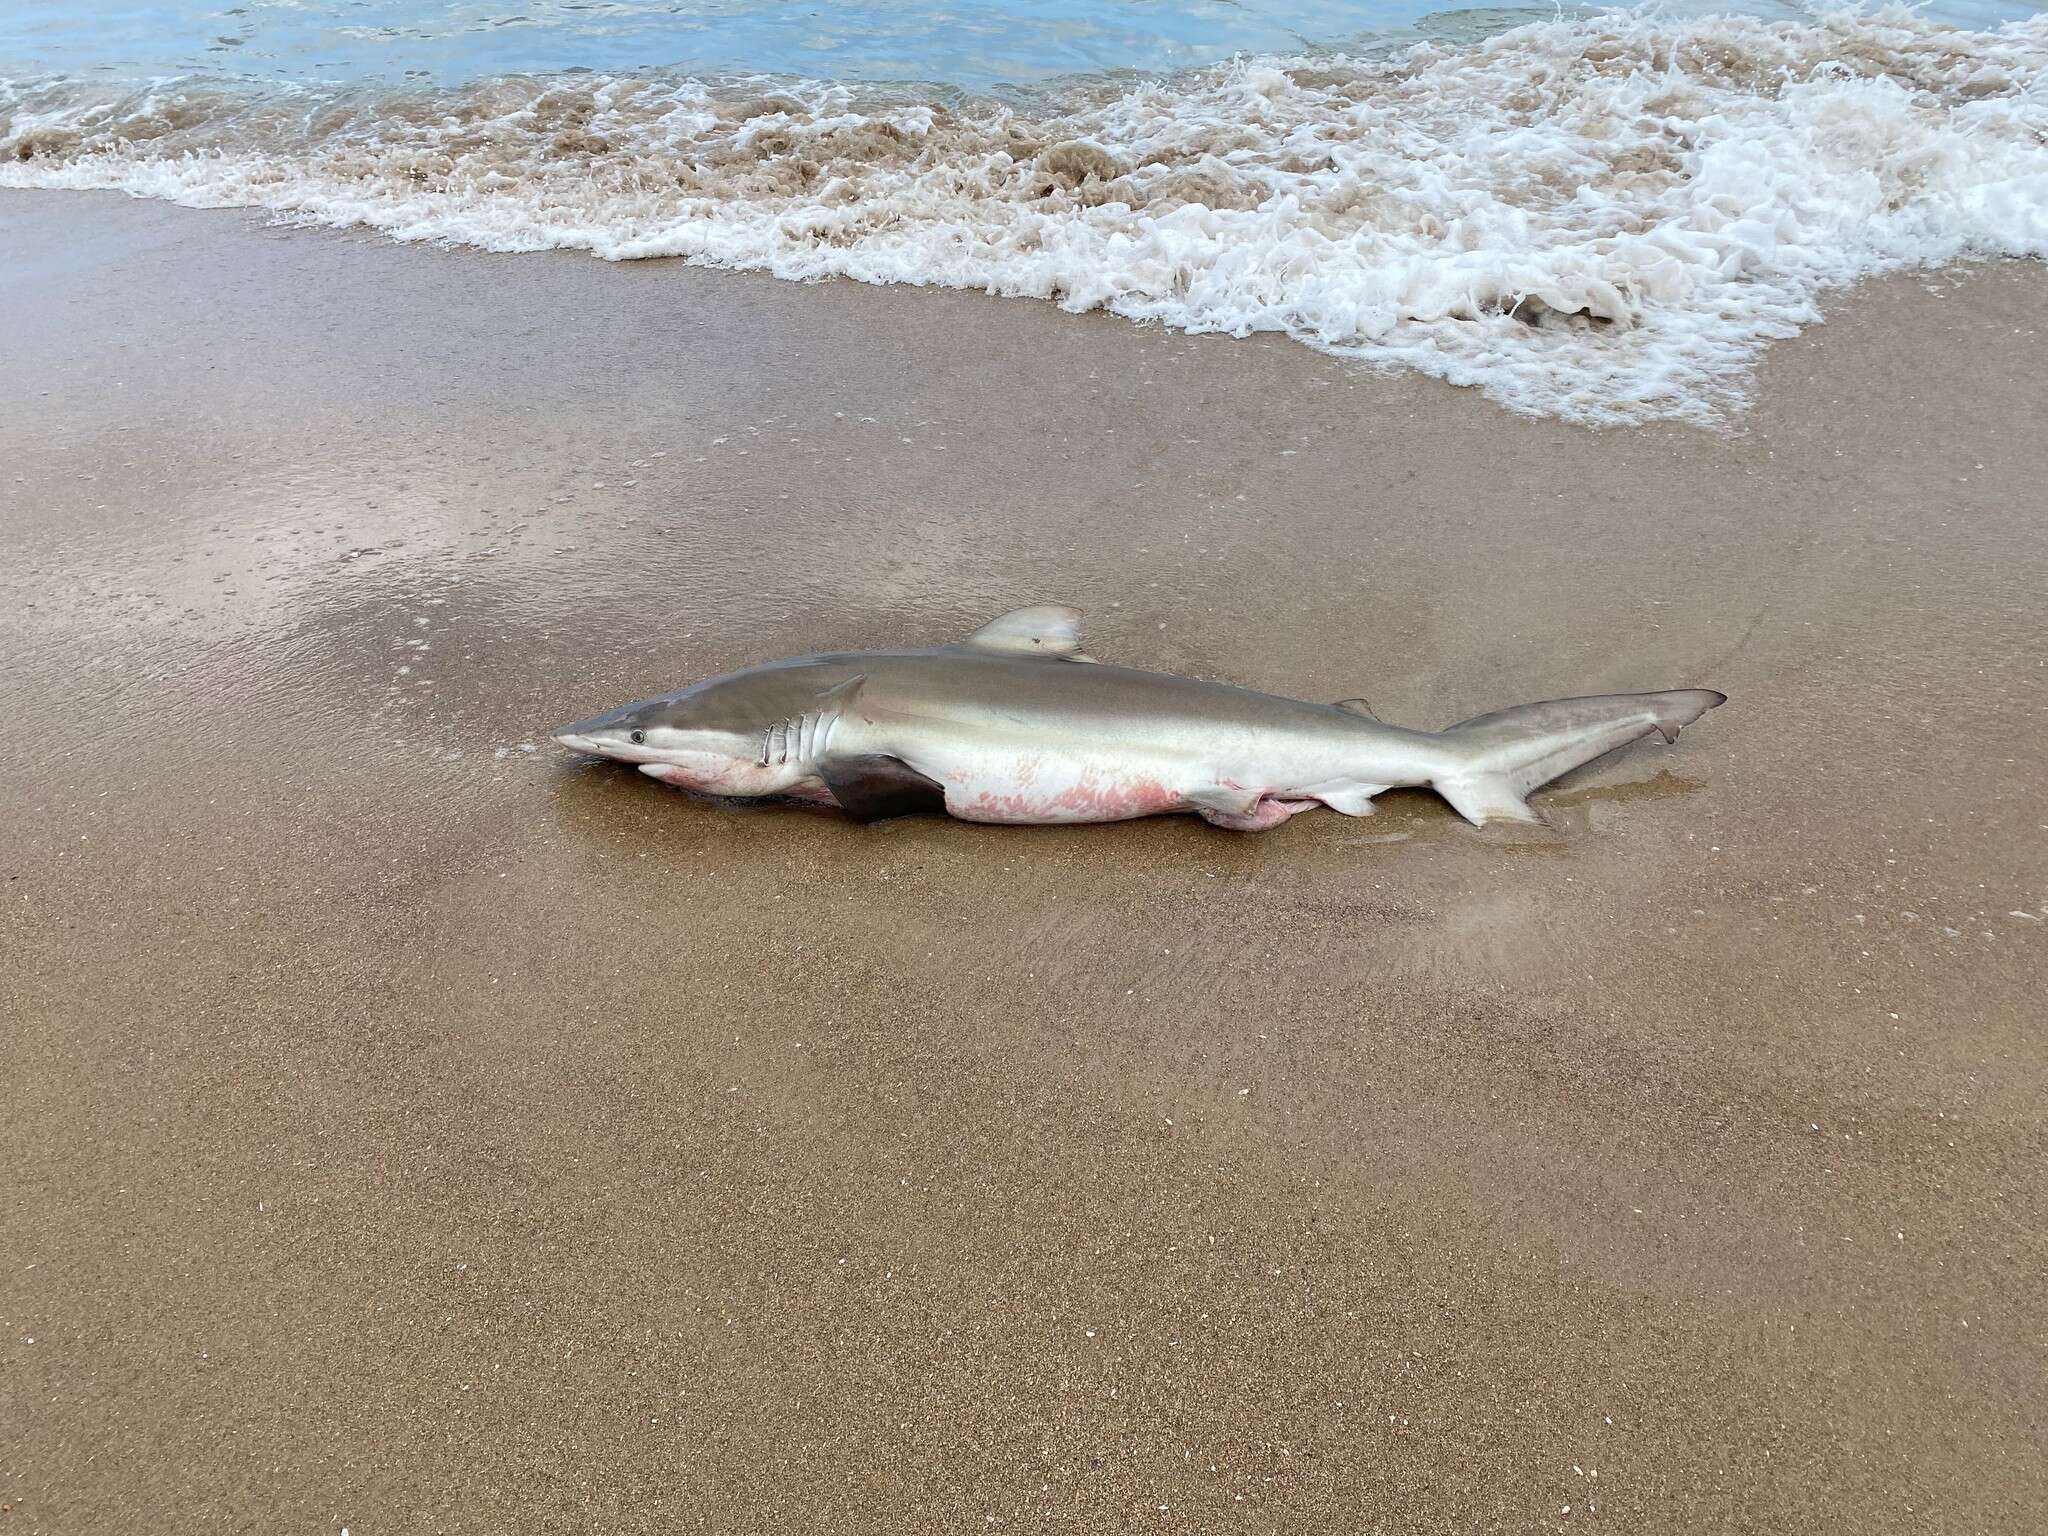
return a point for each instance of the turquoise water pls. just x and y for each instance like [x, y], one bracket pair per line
[975, 44]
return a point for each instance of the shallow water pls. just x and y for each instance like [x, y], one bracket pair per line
[1599, 215]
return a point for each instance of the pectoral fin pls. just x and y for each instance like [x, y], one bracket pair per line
[874, 787]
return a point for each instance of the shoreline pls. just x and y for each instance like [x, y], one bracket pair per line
[404, 1135]
[1602, 218]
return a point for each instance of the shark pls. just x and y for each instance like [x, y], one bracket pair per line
[1016, 724]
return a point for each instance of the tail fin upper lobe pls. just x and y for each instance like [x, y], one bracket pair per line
[1504, 755]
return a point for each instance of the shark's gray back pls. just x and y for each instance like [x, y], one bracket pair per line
[967, 685]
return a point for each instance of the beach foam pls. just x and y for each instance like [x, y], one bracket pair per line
[1599, 218]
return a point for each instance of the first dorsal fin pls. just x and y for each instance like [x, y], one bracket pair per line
[1047, 630]
[1356, 707]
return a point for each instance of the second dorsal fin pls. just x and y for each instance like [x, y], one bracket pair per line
[1356, 707]
[1047, 630]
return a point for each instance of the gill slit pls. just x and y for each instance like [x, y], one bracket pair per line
[812, 733]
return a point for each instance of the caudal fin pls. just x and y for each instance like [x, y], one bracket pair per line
[1501, 757]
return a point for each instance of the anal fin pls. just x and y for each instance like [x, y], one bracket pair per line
[1352, 799]
[876, 787]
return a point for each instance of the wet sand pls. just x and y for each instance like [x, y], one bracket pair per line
[405, 1131]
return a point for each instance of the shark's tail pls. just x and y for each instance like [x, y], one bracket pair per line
[1502, 756]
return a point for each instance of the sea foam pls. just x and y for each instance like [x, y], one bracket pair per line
[1602, 218]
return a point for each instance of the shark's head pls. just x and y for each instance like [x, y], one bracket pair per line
[720, 738]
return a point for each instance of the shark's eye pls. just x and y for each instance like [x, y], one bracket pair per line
[636, 737]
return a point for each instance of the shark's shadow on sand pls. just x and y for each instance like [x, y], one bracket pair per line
[614, 800]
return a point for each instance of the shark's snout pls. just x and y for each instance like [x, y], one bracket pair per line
[589, 727]
[622, 735]
[599, 734]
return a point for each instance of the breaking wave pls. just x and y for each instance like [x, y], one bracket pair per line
[1602, 218]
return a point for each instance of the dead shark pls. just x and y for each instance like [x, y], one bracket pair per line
[1014, 724]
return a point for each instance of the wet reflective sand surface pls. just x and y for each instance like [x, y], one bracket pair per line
[406, 1130]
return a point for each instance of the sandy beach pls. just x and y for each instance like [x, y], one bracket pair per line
[410, 1128]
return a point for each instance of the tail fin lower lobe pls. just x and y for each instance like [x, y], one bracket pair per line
[1504, 755]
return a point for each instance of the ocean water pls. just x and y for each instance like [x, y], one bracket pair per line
[1598, 214]
[979, 45]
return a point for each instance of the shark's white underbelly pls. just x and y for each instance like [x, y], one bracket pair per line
[1001, 782]
[1020, 784]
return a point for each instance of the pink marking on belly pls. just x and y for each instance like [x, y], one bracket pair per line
[1090, 799]
[1270, 813]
